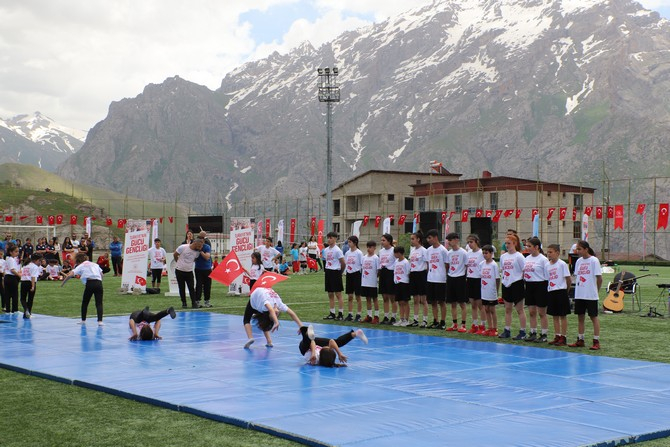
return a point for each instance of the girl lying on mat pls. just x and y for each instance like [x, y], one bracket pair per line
[140, 323]
[265, 305]
[323, 351]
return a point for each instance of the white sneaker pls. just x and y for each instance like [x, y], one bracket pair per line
[361, 335]
[100, 323]
[82, 322]
[398, 323]
[404, 323]
[249, 343]
[310, 332]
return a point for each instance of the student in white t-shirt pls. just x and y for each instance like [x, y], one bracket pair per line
[265, 305]
[511, 266]
[418, 272]
[535, 279]
[10, 302]
[436, 280]
[269, 254]
[456, 283]
[353, 260]
[559, 282]
[157, 258]
[401, 271]
[490, 283]
[386, 284]
[589, 278]
[29, 273]
[90, 275]
[473, 285]
[370, 266]
[333, 259]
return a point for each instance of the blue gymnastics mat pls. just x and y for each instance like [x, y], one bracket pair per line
[400, 389]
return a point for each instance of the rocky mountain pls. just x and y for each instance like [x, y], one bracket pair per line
[37, 140]
[517, 87]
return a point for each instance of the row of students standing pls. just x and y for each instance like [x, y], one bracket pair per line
[439, 276]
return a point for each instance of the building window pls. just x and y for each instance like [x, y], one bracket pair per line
[446, 202]
[409, 203]
[577, 230]
[336, 227]
[336, 207]
[548, 223]
[494, 200]
[578, 201]
[494, 230]
[422, 204]
[458, 227]
[458, 202]
[409, 225]
[391, 197]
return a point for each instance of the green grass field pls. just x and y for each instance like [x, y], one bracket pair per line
[36, 411]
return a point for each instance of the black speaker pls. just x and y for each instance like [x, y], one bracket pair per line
[430, 220]
[481, 226]
[211, 224]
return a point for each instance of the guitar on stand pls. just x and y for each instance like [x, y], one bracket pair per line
[615, 298]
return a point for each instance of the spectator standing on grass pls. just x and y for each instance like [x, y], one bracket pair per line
[157, 259]
[91, 276]
[116, 251]
[185, 256]
[28, 249]
[203, 268]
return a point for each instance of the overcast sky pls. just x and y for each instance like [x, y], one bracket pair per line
[70, 58]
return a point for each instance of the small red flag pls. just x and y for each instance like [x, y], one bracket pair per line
[392, 218]
[51, 220]
[496, 216]
[119, 223]
[366, 219]
[401, 219]
[640, 208]
[73, 219]
[313, 225]
[464, 215]
[534, 212]
[378, 220]
[59, 219]
[489, 213]
[518, 213]
[311, 264]
[8, 218]
[550, 213]
[509, 213]
[618, 217]
[599, 212]
[23, 217]
[268, 280]
[663, 209]
[610, 212]
[267, 227]
[574, 214]
[479, 212]
[292, 233]
[160, 219]
[444, 217]
[39, 220]
[228, 270]
[108, 221]
[562, 212]
[417, 217]
[588, 210]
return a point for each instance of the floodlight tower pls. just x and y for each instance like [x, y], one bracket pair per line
[329, 92]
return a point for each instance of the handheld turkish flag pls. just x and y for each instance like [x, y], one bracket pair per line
[228, 270]
[312, 265]
[268, 279]
[663, 209]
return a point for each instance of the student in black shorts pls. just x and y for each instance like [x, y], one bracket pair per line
[140, 323]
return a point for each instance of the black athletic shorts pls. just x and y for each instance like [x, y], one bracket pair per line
[436, 292]
[536, 293]
[586, 306]
[514, 293]
[473, 288]
[417, 282]
[386, 284]
[559, 303]
[354, 283]
[456, 289]
[334, 281]
[402, 291]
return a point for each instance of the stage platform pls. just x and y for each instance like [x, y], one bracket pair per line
[400, 389]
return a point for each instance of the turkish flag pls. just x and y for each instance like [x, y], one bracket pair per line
[391, 217]
[416, 217]
[23, 217]
[366, 219]
[574, 214]
[268, 280]
[73, 219]
[496, 216]
[141, 281]
[534, 212]
[509, 213]
[599, 212]
[59, 219]
[518, 213]
[378, 220]
[443, 216]
[562, 212]
[108, 221]
[464, 215]
[640, 208]
[292, 234]
[51, 220]
[160, 219]
[267, 227]
[313, 225]
[9, 218]
[489, 213]
[550, 213]
[119, 223]
[479, 213]
[39, 220]
[663, 209]
[618, 217]
[228, 270]
[171, 219]
[588, 210]
[401, 219]
[610, 212]
[312, 264]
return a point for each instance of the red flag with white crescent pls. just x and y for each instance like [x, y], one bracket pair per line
[509, 213]
[267, 227]
[401, 219]
[550, 213]
[618, 217]
[366, 219]
[59, 219]
[228, 270]
[496, 216]
[108, 221]
[444, 217]
[610, 212]
[268, 279]
[534, 212]
[464, 215]
[378, 220]
[51, 220]
[39, 220]
[292, 236]
[518, 213]
[574, 214]
[588, 210]
[562, 212]
[599, 212]
[489, 213]
[392, 217]
[663, 209]
[313, 226]
[479, 212]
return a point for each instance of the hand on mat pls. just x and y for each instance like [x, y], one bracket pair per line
[157, 337]
[343, 358]
[133, 338]
[312, 361]
[275, 327]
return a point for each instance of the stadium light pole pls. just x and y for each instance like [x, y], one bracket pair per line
[329, 92]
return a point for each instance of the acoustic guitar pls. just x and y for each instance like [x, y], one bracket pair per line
[614, 299]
